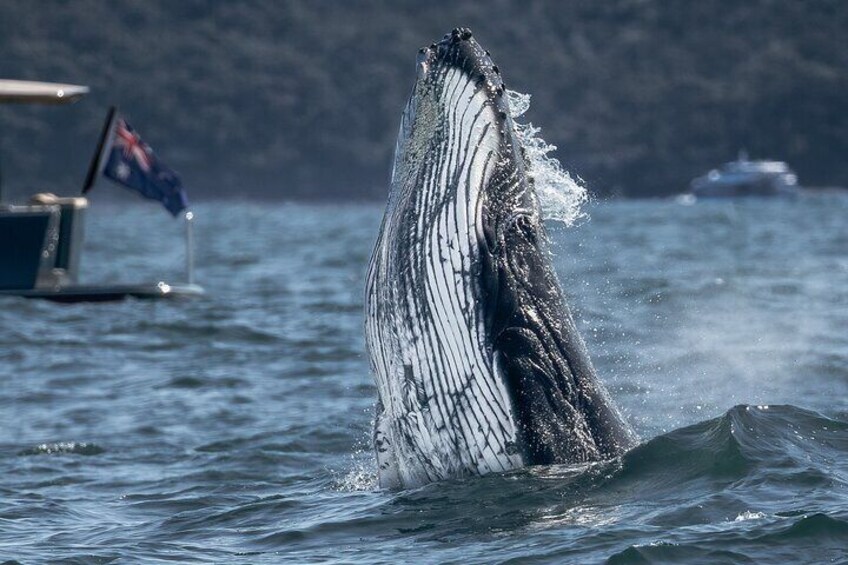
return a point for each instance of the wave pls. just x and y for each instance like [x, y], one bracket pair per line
[745, 440]
[716, 491]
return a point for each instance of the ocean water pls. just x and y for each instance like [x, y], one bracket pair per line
[235, 428]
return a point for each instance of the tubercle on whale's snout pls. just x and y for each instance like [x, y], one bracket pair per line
[461, 49]
[459, 34]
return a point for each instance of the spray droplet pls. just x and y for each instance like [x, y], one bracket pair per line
[560, 195]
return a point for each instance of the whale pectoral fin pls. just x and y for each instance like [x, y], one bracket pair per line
[387, 468]
[551, 428]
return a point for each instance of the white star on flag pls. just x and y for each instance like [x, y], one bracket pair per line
[122, 171]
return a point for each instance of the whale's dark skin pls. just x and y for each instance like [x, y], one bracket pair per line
[554, 385]
[562, 412]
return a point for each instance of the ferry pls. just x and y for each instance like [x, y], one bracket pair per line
[41, 240]
[744, 177]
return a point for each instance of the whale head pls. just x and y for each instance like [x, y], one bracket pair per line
[478, 364]
[458, 90]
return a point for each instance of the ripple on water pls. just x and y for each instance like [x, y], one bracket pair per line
[237, 428]
[67, 447]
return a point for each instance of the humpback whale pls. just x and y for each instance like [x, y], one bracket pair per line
[478, 364]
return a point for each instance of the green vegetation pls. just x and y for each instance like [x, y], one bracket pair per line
[302, 99]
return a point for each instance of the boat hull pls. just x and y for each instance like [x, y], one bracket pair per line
[110, 293]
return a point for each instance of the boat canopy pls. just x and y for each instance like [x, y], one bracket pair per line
[30, 92]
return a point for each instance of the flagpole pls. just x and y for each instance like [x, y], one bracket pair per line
[189, 219]
[96, 165]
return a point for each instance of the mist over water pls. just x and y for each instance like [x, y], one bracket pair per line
[236, 428]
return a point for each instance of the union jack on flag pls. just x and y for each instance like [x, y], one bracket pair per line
[133, 146]
[132, 163]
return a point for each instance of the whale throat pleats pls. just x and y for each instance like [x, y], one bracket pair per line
[471, 370]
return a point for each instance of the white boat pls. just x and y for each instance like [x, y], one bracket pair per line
[747, 178]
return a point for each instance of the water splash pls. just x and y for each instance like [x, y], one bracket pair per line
[360, 479]
[748, 515]
[560, 195]
[359, 475]
[70, 447]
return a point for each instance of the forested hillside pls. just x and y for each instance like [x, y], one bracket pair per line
[301, 99]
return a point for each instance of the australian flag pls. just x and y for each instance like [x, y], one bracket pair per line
[132, 163]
